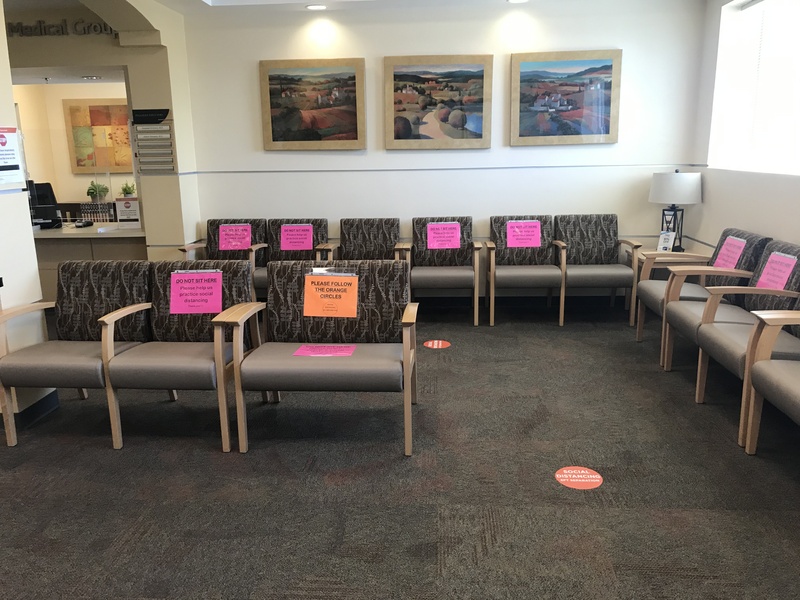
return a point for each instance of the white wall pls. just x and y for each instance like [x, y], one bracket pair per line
[661, 43]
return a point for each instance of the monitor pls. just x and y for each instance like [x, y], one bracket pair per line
[44, 211]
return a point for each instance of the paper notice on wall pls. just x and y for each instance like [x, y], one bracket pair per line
[11, 172]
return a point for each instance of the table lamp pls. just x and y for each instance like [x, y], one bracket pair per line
[674, 189]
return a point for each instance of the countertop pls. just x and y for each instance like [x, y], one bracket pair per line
[96, 231]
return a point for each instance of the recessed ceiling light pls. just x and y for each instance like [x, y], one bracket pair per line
[91, 77]
[316, 7]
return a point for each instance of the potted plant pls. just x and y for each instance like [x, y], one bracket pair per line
[97, 191]
[128, 189]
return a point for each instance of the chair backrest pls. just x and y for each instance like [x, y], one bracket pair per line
[422, 256]
[382, 298]
[368, 239]
[258, 235]
[319, 236]
[590, 239]
[167, 327]
[748, 259]
[88, 289]
[785, 253]
[541, 255]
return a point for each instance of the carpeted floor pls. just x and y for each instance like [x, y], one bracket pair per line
[324, 505]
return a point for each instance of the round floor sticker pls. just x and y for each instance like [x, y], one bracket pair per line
[438, 344]
[579, 478]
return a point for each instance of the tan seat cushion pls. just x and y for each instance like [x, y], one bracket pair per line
[527, 276]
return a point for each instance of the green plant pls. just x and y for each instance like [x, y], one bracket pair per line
[128, 188]
[97, 190]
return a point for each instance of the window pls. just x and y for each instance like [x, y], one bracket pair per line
[755, 124]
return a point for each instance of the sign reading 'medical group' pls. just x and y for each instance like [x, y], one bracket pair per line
[43, 28]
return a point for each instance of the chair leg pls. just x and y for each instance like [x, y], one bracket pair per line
[476, 305]
[754, 423]
[561, 298]
[414, 384]
[241, 420]
[173, 395]
[407, 395]
[8, 416]
[744, 411]
[83, 393]
[702, 374]
[641, 311]
[630, 306]
[224, 419]
[113, 414]
[666, 361]
[270, 397]
[491, 297]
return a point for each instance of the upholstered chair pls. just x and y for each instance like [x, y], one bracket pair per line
[516, 263]
[369, 239]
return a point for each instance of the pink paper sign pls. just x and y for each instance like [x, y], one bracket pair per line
[777, 271]
[195, 292]
[234, 237]
[444, 236]
[297, 237]
[730, 252]
[324, 350]
[524, 234]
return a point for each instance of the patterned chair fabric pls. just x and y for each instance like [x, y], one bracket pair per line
[368, 239]
[382, 298]
[590, 239]
[274, 238]
[168, 327]
[505, 256]
[423, 257]
[258, 235]
[89, 289]
[767, 302]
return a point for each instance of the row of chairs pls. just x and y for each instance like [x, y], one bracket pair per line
[525, 252]
[745, 292]
[120, 325]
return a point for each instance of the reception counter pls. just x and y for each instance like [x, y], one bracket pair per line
[104, 241]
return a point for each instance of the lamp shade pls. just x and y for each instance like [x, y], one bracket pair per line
[676, 188]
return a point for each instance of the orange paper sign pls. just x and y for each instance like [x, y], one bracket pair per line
[331, 296]
[437, 344]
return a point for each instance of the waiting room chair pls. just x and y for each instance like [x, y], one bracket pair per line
[86, 291]
[774, 379]
[732, 343]
[381, 339]
[454, 266]
[591, 247]
[185, 351]
[651, 293]
[522, 255]
[370, 239]
[256, 251]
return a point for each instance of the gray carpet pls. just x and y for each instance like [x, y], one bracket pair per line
[324, 505]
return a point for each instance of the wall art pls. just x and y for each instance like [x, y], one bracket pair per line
[98, 138]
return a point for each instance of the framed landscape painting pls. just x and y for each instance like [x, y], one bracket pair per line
[98, 138]
[436, 102]
[565, 97]
[313, 104]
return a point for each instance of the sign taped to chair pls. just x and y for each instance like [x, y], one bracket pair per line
[524, 234]
[330, 294]
[297, 237]
[777, 271]
[235, 236]
[195, 292]
[444, 235]
[730, 253]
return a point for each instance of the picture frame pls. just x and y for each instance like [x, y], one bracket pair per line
[438, 102]
[98, 135]
[315, 104]
[567, 97]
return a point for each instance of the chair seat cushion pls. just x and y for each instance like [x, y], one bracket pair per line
[727, 344]
[685, 316]
[614, 275]
[442, 277]
[371, 368]
[651, 293]
[779, 382]
[167, 366]
[527, 276]
[58, 363]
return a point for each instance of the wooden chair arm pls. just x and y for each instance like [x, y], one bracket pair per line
[713, 302]
[778, 317]
[662, 260]
[402, 251]
[675, 255]
[238, 314]
[198, 245]
[410, 313]
[476, 246]
[694, 270]
[766, 330]
[16, 311]
[109, 319]
[490, 246]
[327, 247]
[560, 244]
[632, 243]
